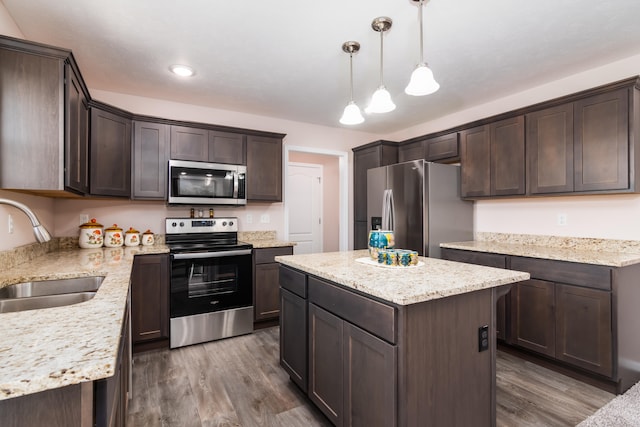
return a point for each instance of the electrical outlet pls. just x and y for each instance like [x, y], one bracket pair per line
[84, 218]
[10, 224]
[249, 219]
[483, 338]
[265, 219]
[562, 219]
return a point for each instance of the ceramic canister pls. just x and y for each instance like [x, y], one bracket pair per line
[131, 237]
[380, 239]
[91, 235]
[148, 238]
[113, 236]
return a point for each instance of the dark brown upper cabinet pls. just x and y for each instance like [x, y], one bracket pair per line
[264, 169]
[602, 142]
[226, 147]
[492, 159]
[110, 153]
[44, 121]
[550, 150]
[443, 149]
[150, 160]
[189, 143]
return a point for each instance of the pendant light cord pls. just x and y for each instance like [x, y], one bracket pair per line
[351, 76]
[381, 55]
[421, 33]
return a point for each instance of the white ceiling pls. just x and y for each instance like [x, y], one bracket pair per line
[283, 58]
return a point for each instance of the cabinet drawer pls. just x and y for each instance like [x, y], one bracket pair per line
[293, 281]
[471, 257]
[267, 255]
[370, 315]
[588, 275]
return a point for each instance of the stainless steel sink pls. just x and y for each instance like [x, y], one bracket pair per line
[32, 303]
[51, 287]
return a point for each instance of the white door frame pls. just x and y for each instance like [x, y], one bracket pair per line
[343, 205]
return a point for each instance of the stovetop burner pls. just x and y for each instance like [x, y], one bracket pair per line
[203, 235]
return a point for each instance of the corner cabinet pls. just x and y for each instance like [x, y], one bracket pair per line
[150, 299]
[266, 284]
[264, 169]
[110, 152]
[365, 157]
[150, 158]
[43, 99]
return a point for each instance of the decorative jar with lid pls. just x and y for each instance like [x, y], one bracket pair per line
[131, 237]
[91, 235]
[148, 238]
[113, 236]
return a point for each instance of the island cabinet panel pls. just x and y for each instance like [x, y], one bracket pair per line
[602, 142]
[583, 328]
[550, 150]
[503, 305]
[326, 373]
[533, 316]
[264, 169]
[293, 326]
[150, 157]
[110, 154]
[443, 378]
[266, 294]
[150, 298]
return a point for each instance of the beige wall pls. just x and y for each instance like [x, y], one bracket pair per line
[330, 193]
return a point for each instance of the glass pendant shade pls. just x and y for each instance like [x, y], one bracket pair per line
[351, 115]
[422, 82]
[381, 102]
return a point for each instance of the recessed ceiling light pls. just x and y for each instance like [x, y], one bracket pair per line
[182, 70]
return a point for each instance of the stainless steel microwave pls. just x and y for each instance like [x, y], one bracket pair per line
[201, 183]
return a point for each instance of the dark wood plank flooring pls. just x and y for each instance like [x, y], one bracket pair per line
[238, 382]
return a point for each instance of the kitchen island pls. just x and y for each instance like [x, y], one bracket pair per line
[392, 346]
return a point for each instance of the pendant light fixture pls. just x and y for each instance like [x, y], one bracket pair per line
[381, 100]
[422, 81]
[351, 114]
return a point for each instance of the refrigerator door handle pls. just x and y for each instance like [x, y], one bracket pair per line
[388, 210]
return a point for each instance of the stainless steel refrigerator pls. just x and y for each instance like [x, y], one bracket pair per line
[420, 201]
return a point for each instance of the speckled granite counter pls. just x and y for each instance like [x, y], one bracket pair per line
[613, 253]
[263, 239]
[55, 347]
[402, 285]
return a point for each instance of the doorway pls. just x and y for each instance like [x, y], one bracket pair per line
[334, 197]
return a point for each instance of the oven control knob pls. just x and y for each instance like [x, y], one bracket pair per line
[224, 223]
[230, 222]
[173, 224]
[181, 224]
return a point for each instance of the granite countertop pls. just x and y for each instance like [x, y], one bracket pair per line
[580, 254]
[55, 347]
[263, 239]
[402, 285]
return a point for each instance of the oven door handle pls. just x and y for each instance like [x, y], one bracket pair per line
[220, 254]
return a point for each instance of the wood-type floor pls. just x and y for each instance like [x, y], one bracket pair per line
[238, 382]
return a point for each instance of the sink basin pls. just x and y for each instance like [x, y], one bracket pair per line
[52, 287]
[47, 301]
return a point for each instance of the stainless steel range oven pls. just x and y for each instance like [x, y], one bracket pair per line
[211, 280]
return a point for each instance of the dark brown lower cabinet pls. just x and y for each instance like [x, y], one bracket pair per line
[293, 337]
[266, 287]
[533, 317]
[583, 328]
[150, 298]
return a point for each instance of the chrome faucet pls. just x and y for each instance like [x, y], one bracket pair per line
[41, 233]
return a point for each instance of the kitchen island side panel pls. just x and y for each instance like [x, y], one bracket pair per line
[443, 378]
